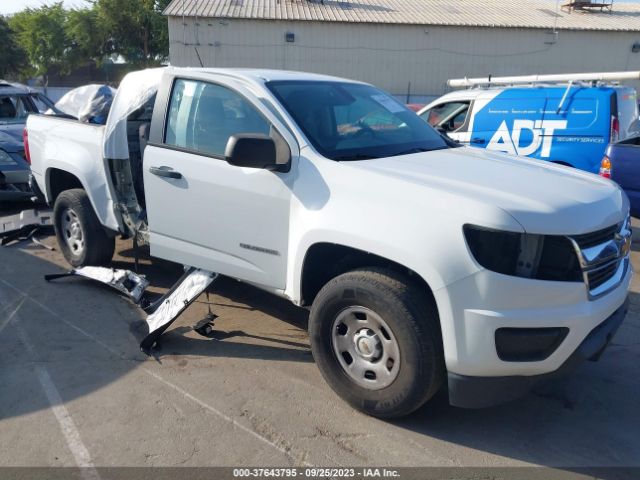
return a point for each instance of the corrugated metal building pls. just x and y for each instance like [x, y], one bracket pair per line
[404, 45]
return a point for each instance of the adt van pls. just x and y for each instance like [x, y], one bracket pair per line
[570, 124]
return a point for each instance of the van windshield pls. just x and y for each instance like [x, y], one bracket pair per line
[350, 121]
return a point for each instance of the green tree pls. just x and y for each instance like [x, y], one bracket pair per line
[88, 37]
[12, 57]
[40, 32]
[137, 28]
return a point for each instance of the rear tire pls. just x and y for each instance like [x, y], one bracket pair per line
[376, 339]
[82, 239]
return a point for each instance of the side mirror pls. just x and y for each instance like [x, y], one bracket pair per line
[253, 150]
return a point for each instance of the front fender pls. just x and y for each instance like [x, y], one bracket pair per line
[410, 258]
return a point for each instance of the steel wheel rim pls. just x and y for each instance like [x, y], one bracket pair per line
[365, 347]
[72, 231]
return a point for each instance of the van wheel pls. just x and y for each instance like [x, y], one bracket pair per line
[80, 236]
[376, 339]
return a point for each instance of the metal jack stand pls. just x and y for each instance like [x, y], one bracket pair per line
[205, 326]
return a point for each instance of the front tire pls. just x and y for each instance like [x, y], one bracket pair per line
[80, 235]
[376, 339]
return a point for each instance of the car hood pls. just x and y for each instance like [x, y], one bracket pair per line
[11, 138]
[543, 197]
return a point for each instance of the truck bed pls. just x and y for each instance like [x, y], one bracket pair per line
[72, 147]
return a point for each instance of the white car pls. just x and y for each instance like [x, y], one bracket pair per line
[424, 263]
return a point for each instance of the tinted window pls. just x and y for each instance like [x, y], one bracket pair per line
[41, 102]
[451, 115]
[14, 109]
[349, 121]
[203, 116]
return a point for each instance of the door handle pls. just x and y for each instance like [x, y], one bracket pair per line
[166, 172]
[479, 141]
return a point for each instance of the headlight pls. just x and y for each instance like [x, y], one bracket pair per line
[5, 159]
[543, 257]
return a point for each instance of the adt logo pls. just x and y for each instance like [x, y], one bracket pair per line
[532, 133]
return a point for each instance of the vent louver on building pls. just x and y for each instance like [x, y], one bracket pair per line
[588, 6]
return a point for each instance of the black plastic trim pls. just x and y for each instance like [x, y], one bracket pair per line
[528, 344]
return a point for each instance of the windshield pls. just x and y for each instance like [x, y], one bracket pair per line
[14, 109]
[350, 121]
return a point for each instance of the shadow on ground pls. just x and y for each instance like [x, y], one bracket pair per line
[589, 418]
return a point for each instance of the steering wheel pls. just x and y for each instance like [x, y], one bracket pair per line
[365, 130]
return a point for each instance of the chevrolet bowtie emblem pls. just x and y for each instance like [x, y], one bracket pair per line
[624, 244]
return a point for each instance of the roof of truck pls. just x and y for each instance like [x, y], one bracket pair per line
[263, 75]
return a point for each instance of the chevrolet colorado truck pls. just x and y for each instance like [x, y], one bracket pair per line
[422, 262]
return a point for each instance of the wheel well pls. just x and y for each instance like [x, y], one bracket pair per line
[324, 261]
[59, 181]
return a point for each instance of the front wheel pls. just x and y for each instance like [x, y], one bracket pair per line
[80, 235]
[376, 339]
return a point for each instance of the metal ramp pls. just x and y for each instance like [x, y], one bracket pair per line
[162, 312]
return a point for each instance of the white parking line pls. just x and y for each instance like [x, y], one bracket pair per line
[69, 431]
[6, 321]
[159, 378]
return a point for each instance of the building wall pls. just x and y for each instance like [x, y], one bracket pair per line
[397, 58]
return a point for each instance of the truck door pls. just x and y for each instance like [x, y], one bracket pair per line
[204, 212]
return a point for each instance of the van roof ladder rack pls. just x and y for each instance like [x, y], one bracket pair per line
[555, 78]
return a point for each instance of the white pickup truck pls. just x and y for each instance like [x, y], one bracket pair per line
[422, 262]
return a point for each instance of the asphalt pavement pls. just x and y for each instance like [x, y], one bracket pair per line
[76, 391]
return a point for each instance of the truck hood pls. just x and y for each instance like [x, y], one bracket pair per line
[11, 137]
[543, 197]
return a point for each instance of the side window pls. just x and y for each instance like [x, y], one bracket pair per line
[202, 117]
[13, 108]
[41, 102]
[450, 116]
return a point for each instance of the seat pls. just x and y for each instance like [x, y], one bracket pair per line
[7, 109]
[210, 134]
[315, 116]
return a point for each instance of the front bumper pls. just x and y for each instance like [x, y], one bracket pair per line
[13, 185]
[474, 308]
[479, 392]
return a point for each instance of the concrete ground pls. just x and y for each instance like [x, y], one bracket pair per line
[75, 389]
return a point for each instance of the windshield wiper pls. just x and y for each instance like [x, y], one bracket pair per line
[419, 150]
[355, 156]
[413, 150]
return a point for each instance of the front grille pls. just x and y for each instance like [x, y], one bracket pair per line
[601, 275]
[592, 239]
[600, 254]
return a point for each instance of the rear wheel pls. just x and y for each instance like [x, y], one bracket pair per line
[80, 236]
[376, 339]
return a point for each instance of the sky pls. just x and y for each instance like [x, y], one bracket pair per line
[13, 6]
